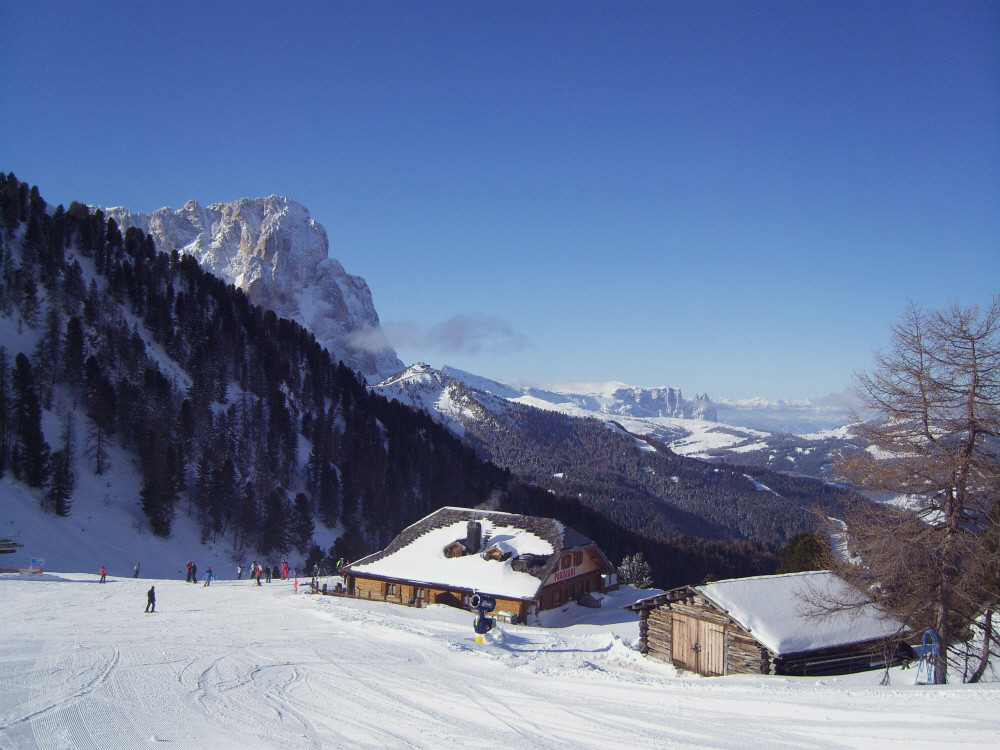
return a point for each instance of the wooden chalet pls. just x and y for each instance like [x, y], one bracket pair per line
[767, 625]
[527, 563]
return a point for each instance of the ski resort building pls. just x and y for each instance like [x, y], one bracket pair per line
[769, 625]
[527, 563]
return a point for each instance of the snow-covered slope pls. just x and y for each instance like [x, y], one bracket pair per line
[235, 665]
[271, 249]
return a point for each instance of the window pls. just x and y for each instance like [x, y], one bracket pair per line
[566, 562]
[390, 589]
[577, 558]
[418, 593]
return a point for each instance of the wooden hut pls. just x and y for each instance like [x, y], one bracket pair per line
[768, 625]
[527, 563]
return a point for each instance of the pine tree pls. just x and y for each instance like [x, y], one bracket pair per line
[96, 448]
[61, 484]
[159, 491]
[806, 551]
[5, 411]
[72, 353]
[302, 522]
[274, 528]
[634, 571]
[32, 450]
[48, 360]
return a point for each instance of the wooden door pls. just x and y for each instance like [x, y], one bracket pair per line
[698, 645]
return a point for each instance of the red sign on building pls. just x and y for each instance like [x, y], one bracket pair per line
[562, 575]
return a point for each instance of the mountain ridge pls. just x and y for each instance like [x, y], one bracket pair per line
[279, 256]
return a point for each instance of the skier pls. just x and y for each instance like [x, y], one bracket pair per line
[194, 573]
[189, 566]
[208, 576]
[136, 573]
[267, 573]
[103, 573]
[258, 571]
[151, 600]
[284, 569]
[239, 572]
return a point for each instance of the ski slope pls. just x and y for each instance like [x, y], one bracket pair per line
[234, 665]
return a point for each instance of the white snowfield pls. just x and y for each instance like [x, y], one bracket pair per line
[234, 665]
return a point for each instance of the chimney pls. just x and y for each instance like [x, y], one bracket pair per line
[473, 537]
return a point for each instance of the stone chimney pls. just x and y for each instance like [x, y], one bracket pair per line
[473, 537]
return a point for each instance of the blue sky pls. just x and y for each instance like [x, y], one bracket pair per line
[731, 197]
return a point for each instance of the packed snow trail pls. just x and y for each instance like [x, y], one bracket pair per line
[235, 665]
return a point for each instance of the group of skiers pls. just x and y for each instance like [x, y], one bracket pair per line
[104, 573]
[258, 570]
[192, 574]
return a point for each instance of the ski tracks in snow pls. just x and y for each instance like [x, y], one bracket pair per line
[235, 666]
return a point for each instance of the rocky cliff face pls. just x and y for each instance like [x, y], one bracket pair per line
[272, 250]
[634, 401]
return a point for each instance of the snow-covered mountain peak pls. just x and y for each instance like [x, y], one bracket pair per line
[275, 252]
[636, 401]
[612, 399]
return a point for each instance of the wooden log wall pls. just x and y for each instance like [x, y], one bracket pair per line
[743, 653]
[659, 634]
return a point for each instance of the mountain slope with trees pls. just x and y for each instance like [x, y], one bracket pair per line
[235, 416]
[635, 479]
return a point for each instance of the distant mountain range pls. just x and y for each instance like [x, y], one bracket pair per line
[638, 470]
[688, 427]
[279, 256]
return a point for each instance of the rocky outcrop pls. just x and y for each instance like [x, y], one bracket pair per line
[272, 250]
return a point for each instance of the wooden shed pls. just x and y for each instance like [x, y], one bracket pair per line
[768, 625]
[527, 563]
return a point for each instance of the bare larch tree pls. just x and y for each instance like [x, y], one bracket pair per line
[931, 416]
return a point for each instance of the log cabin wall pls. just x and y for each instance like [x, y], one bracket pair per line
[401, 592]
[742, 653]
[659, 634]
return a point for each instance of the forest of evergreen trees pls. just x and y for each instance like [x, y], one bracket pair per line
[223, 403]
[647, 488]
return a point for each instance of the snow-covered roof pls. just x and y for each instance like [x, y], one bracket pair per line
[776, 610]
[417, 554]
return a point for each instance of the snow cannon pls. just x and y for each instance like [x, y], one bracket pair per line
[482, 624]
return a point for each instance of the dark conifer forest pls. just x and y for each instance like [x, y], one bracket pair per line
[236, 417]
